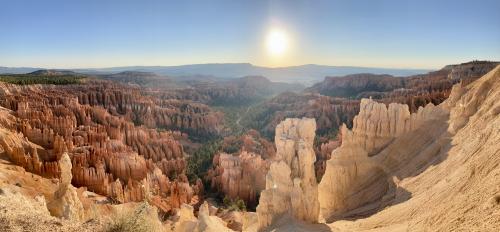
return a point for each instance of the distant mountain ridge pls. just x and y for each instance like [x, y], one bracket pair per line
[354, 84]
[306, 74]
[53, 72]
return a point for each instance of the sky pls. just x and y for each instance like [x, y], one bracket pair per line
[370, 33]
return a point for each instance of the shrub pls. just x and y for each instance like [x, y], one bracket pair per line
[30, 79]
[201, 160]
[236, 204]
[143, 219]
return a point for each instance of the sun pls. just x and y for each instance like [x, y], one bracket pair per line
[277, 42]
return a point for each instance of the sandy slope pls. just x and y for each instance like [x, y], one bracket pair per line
[461, 191]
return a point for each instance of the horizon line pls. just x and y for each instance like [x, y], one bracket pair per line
[222, 63]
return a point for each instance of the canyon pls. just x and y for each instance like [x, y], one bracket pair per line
[110, 155]
[332, 112]
[373, 157]
[394, 171]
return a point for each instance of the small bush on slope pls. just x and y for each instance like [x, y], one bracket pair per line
[143, 219]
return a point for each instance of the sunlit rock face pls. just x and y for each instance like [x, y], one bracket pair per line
[187, 222]
[66, 203]
[357, 175]
[376, 124]
[471, 71]
[291, 187]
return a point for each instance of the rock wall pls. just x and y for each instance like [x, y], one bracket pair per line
[291, 187]
[376, 124]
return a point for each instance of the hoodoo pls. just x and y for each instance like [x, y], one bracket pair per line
[291, 187]
[66, 203]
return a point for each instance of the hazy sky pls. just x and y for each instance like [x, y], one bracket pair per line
[383, 33]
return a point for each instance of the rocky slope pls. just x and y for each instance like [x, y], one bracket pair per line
[421, 170]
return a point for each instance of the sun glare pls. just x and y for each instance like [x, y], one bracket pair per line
[277, 42]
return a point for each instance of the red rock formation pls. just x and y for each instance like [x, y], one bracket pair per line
[241, 175]
[234, 91]
[329, 112]
[146, 108]
[416, 91]
[109, 154]
[324, 153]
[251, 141]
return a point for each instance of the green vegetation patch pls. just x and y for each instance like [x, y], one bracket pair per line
[199, 162]
[30, 79]
[234, 204]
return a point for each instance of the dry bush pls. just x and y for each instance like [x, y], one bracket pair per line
[143, 219]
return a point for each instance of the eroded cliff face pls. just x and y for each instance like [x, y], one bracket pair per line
[445, 171]
[291, 187]
[355, 177]
[110, 155]
[471, 71]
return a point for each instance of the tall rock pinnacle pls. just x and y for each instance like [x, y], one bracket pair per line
[291, 188]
